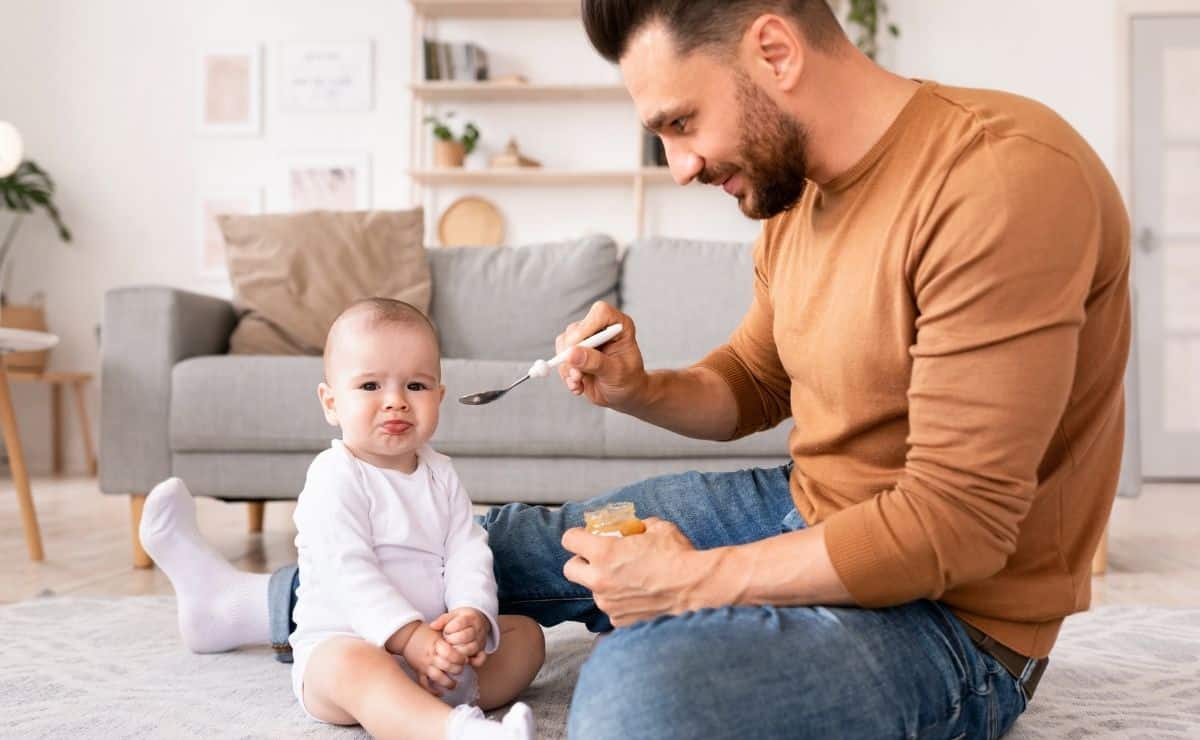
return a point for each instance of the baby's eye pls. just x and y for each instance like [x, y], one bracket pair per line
[679, 124]
[417, 386]
[369, 386]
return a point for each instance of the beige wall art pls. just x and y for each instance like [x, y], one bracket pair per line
[230, 94]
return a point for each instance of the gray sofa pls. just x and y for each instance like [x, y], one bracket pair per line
[244, 428]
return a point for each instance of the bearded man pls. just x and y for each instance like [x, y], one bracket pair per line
[941, 303]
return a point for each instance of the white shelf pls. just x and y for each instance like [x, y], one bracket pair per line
[497, 8]
[539, 176]
[516, 92]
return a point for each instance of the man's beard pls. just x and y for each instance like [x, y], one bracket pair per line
[772, 153]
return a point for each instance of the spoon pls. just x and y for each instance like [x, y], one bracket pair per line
[541, 368]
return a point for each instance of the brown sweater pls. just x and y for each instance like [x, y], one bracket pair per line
[948, 324]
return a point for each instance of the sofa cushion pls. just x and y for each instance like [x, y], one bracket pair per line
[248, 403]
[686, 297]
[245, 403]
[293, 273]
[509, 303]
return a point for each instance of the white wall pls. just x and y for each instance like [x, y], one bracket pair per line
[104, 94]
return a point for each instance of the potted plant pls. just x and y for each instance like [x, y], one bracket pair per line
[450, 150]
[23, 191]
[869, 15]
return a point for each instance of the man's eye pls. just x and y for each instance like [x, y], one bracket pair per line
[369, 387]
[416, 386]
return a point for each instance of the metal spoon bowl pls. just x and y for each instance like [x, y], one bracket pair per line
[541, 368]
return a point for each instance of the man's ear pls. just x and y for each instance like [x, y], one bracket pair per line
[325, 394]
[776, 50]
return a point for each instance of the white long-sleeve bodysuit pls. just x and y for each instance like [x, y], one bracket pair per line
[379, 549]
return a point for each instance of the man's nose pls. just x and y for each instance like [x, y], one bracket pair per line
[685, 165]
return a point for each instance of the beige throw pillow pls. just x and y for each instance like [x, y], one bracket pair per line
[293, 273]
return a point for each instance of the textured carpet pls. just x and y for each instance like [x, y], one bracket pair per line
[73, 667]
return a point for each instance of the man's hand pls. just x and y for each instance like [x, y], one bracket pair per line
[636, 578]
[435, 661]
[611, 376]
[466, 630]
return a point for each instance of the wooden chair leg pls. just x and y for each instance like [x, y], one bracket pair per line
[256, 509]
[1100, 559]
[140, 558]
[85, 427]
[16, 461]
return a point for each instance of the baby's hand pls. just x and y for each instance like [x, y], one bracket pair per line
[466, 630]
[435, 661]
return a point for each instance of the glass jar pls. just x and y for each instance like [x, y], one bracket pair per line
[618, 519]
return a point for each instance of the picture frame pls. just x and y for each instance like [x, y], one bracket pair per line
[327, 181]
[326, 76]
[229, 91]
[210, 252]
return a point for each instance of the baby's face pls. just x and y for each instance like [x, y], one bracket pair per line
[383, 389]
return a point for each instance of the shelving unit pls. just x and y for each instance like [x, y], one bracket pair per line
[426, 93]
[512, 92]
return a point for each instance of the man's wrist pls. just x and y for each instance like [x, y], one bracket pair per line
[716, 581]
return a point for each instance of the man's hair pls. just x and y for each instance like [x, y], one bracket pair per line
[380, 311]
[695, 24]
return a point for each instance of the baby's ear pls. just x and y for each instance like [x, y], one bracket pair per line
[325, 395]
[441, 393]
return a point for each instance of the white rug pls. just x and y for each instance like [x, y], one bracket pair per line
[76, 668]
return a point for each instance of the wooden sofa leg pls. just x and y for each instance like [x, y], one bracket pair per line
[140, 558]
[256, 509]
[1100, 559]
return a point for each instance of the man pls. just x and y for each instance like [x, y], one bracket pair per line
[941, 302]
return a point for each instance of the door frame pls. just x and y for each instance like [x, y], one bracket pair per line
[1126, 12]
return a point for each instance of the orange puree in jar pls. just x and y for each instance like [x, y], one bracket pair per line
[614, 520]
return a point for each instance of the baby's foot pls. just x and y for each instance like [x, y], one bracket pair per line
[519, 722]
[467, 722]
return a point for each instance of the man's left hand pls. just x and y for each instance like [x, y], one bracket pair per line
[639, 577]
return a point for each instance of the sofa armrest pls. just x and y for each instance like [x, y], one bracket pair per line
[145, 331]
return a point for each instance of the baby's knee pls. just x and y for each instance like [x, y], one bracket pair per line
[349, 659]
[526, 632]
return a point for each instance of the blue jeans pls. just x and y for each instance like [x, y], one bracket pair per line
[745, 672]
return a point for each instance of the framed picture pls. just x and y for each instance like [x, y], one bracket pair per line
[230, 91]
[325, 76]
[211, 243]
[328, 182]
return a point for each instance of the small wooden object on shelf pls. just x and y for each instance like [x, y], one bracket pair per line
[512, 157]
[471, 221]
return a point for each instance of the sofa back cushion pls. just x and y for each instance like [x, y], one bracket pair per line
[509, 303]
[686, 297]
[293, 273]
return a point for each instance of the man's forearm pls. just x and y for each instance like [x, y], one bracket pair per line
[790, 569]
[695, 402]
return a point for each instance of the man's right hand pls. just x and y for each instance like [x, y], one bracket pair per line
[612, 375]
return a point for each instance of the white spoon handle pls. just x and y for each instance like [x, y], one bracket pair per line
[592, 342]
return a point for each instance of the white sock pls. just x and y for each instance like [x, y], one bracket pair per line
[220, 607]
[467, 722]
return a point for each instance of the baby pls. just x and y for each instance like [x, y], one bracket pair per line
[396, 625]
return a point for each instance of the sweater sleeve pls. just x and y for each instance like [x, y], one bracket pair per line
[333, 520]
[749, 362]
[470, 580]
[1001, 276]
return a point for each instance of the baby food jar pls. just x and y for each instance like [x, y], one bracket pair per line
[617, 519]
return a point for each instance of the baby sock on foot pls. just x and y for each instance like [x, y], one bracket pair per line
[220, 607]
[467, 722]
